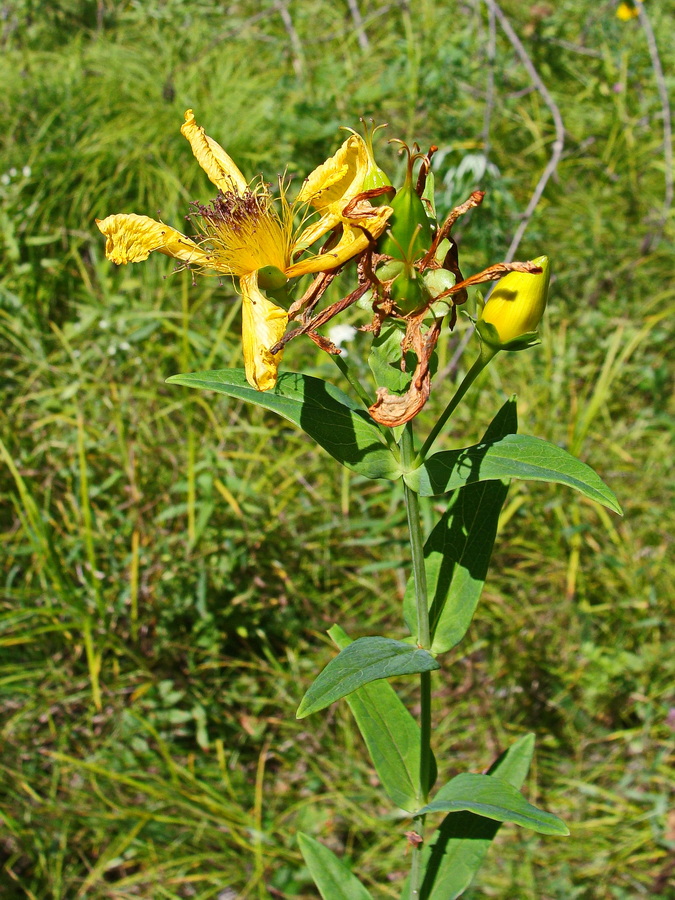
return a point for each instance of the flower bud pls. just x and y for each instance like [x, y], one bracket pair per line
[515, 307]
[628, 10]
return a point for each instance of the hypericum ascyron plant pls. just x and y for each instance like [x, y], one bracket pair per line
[409, 279]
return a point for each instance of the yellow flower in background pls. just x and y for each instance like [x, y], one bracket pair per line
[244, 232]
[628, 10]
[517, 303]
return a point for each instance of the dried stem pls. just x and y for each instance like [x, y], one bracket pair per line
[361, 35]
[492, 273]
[654, 236]
[558, 143]
[321, 318]
[490, 87]
[294, 38]
[443, 232]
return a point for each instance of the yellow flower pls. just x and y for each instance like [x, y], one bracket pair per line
[626, 11]
[244, 232]
[516, 305]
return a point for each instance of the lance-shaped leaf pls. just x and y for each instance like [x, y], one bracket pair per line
[330, 874]
[391, 734]
[323, 411]
[489, 796]
[514, 456]
[458, 550]
[458, 848]
[367, 659]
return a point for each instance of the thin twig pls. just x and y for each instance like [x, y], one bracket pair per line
[294, 38]
[655, 235]
[558, 143]
[576, 48]
[490, 87]
[368, 19]
[487, 117]
[228, 35]
[361, 35]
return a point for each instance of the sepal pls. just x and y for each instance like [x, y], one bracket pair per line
[489, 337]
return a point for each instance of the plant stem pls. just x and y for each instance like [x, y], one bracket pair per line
[416, 543]
[468, 380]
[424, 641]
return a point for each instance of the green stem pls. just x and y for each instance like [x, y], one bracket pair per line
[468, 380]
[424, 641]
[412, 506]
[362, 394]
[416, 870]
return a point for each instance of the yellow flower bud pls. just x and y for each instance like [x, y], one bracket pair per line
[517, 304]
[627, 11]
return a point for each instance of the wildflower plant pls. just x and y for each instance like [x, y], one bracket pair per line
[348, 217]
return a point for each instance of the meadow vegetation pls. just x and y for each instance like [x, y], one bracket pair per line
[169, 557]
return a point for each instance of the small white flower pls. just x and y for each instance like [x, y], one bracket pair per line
[12, 172]
[4, 178]
[112, 350]
[104, 323]
[125, 345]
[338, 334]
[26, 171]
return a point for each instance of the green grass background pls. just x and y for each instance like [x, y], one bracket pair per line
[172, 560]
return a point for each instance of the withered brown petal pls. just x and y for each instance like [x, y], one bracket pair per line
[394, 409]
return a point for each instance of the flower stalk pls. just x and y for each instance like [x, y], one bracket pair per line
[473, 373]
[423, 641]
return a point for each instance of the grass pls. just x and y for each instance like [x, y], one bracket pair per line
[172, 560]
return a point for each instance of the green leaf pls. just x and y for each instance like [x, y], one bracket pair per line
[385, 359]
[493, 798]
[367, 659]
[459, 847]
[514, 456]
[322, 410]
[391, 734]
[457, 552]
[330, 874]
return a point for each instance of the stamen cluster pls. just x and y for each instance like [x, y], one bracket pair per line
[243, 231]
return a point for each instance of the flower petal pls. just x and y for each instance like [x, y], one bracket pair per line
[332, 185]
[132, 238]
[353, 241]
[262, 326]
[340, 176]
[219, 167]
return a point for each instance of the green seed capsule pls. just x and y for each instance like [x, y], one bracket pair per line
[409, 291]
[271, 279]
[409, 234]
[375, 177]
